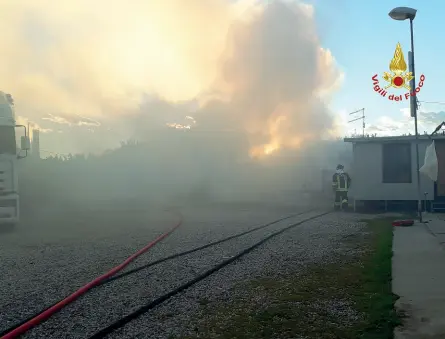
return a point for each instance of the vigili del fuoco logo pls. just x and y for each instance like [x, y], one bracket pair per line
[398, 78]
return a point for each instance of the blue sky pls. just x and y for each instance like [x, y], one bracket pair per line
[362, 38]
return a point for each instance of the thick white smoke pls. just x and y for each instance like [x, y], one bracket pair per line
[94, 73]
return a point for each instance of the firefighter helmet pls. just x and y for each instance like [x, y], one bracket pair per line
[340, 167]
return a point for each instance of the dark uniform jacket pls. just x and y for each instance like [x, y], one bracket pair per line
[341, 182]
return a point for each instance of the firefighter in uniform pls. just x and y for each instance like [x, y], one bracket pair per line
[341, 182]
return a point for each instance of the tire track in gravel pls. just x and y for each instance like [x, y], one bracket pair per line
[109, 302]
[316, 241]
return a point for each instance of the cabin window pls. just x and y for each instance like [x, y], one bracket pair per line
[397, 163]
[7, 140]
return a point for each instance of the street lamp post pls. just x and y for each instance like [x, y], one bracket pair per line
[404, 13]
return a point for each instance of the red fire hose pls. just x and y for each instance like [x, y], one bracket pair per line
[408, 222]
[57, 307]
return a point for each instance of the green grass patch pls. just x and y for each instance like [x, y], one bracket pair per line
[348, 298]
[376, 299]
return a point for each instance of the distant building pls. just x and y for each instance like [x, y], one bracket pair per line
[384, 171]
[35, 147]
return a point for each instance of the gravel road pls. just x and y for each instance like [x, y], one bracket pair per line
[51, 255]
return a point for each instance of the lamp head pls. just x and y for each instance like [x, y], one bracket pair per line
[403, 13]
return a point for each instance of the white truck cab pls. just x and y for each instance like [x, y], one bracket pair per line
[9, 154]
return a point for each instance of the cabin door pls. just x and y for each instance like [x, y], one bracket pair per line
[439, 185]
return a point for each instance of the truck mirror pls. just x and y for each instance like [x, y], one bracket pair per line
[26, 145]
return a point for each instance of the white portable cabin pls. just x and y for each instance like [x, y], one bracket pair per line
[384, 169]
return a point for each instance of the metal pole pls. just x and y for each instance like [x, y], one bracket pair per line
[363, 126]
[419, 195]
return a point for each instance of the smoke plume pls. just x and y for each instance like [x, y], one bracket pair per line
[92, 73]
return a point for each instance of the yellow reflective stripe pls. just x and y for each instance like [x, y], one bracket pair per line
[343, 189]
